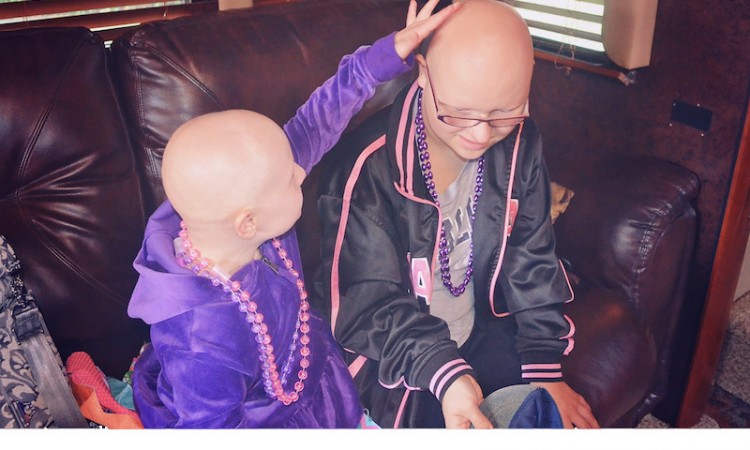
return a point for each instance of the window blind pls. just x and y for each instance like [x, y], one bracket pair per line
[565, 25]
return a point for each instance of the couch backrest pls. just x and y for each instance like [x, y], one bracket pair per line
[69, 193]
[267, 59]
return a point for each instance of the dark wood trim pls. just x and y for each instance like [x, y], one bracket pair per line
[136, 16]
[626, 78]
[722, 285]
[28, 8]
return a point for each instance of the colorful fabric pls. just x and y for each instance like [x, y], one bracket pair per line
[122, 392]
[366, 423]
[83, 371]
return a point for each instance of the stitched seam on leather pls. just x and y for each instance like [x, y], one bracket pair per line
[134, 172]
[42, 118]
[649, 238]
[149, 140]
[93, 282]
[188, 76]
[40, 124]
[648, 243]
[140, 123]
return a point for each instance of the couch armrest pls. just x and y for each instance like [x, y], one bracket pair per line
[630, 232]
[630, 226]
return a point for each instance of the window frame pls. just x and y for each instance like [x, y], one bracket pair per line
[570, 56]
[108, 18]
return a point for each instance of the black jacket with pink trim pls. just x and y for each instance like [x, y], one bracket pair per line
[379, 247]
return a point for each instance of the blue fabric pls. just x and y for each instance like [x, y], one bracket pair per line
[537, 411]
[122, 392]
[367, 423]
[521, 406]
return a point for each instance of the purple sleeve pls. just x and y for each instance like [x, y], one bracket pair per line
[318, 124]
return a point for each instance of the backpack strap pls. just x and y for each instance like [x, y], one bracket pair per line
[54, 388]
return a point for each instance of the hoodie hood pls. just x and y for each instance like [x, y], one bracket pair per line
[164, 288]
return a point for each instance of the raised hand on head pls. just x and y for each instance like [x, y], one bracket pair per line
[420, 25]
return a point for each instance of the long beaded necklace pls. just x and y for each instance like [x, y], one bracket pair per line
[273, 382]
[424, 158]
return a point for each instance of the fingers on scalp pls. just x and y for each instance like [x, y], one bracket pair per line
[412, 12]
[427, 10]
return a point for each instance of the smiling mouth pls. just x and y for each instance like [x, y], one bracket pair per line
[471, 145]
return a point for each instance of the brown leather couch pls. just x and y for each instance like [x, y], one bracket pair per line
[82, 129]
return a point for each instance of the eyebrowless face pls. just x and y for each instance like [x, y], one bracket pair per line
[480, 66]
[219, 164]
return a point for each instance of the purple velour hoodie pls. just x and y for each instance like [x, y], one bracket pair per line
[202, 368]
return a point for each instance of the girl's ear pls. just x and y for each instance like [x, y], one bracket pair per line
[244, 224]
[422, 77]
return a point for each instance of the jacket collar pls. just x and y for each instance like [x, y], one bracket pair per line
[400, 143]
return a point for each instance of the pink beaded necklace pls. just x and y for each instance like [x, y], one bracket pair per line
[273, 382]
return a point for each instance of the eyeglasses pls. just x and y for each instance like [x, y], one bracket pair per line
[467, 122]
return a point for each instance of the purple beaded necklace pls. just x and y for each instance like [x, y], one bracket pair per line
[424, 158]
[189, 257]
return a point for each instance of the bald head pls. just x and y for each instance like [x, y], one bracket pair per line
[484, 48]
[218, 163]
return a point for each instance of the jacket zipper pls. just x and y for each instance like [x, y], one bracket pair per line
[270, 264]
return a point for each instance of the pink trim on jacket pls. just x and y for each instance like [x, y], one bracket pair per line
[436, 248]
[567, 280]
[356, 365]
[347, 201]
[444, 369]
[541, 370]
[410, 160]
[542, 375]
[401, 408]
[540, 366]
[439, 389]
[505, 224]
[400, 142]
[401, 381]
[407, 172]
[569, 336]
[379, 143]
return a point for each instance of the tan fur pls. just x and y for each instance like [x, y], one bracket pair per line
[561, 197]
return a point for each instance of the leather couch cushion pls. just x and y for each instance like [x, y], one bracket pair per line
[70, 202]
[615, 355]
